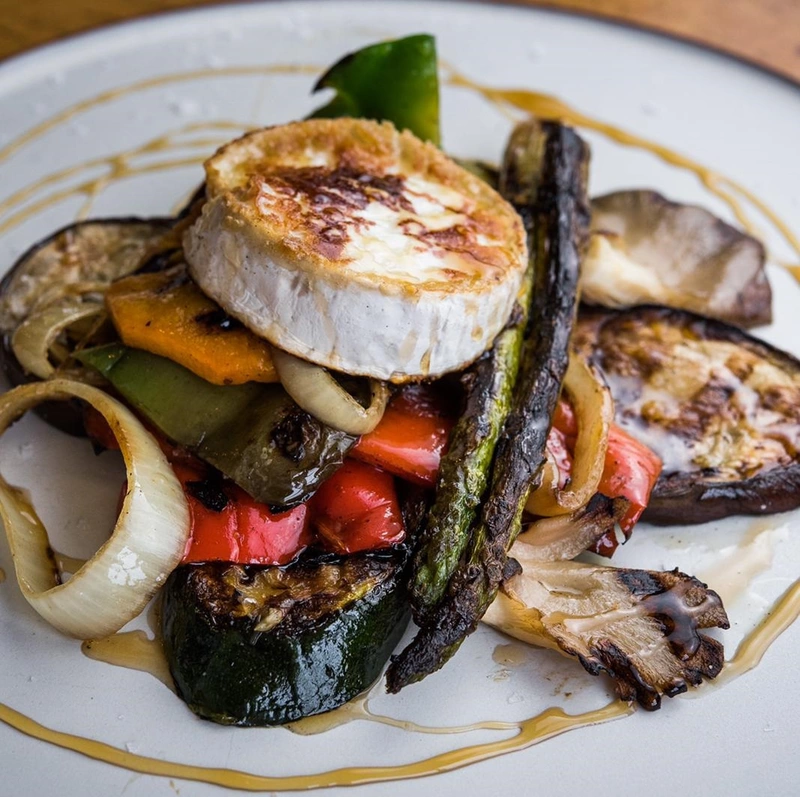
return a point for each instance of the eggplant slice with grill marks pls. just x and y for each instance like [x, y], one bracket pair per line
[77, 259]
[640, 627]
[721, 409]
[70, 269]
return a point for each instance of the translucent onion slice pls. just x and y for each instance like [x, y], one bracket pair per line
[319, 394]
[147, 543]
[34, 337]
[594, 411]
[72, 290]
[560, 538]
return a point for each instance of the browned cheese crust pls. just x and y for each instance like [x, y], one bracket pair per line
[300, 187]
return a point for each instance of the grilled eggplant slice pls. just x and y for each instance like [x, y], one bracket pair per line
[76, 262]
[647, 249]
[76, 259]
[721, 409]
[250, 645]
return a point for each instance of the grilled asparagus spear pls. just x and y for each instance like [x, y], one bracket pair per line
[464, 470]
[544, 175]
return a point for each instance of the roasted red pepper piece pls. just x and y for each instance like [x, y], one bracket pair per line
[98, 430]
[559, 449]
[229, 526]
[564, 419]
[411, 437]
[630, 471]
[357, 510]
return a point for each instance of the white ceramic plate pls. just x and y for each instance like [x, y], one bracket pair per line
[738, 739]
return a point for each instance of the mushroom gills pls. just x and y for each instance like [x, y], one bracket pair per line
[640, 627]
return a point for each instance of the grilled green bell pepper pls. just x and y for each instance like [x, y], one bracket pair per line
[253, 433]
[395, 81]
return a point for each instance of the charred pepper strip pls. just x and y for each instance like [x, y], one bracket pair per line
[545, 176]
[253, 433]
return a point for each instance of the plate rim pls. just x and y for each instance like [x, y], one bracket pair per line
[67, 41]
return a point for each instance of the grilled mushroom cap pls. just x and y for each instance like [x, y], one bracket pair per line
[641, 627]
[647, 249]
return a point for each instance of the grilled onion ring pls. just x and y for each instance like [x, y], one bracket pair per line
[594, 411]
[147, 543]
[320, 395]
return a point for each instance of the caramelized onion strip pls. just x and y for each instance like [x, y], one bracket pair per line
[563, 537]
[33, 338]
[320, 395]
[147, 542]
[594, 413]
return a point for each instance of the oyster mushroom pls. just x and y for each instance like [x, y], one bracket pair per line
[646, 249]
[641, 627]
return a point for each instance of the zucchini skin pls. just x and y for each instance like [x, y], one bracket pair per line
[228, 672]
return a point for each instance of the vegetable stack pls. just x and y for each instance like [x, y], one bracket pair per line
[345, 376]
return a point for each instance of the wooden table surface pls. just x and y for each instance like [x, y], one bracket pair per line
[766, 32]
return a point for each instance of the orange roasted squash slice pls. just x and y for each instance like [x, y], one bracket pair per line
[167, 314]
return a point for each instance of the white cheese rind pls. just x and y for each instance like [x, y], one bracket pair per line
[376, 330]
[414, 277]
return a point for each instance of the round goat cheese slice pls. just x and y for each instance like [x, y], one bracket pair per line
[357, 247]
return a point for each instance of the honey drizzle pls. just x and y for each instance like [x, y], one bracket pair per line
[546, 725]
[114, 168]
[728, 190]
[734, 573]
[143, 85]
[358, 709]
[545, 106]
[131, 649]
[753, 647]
